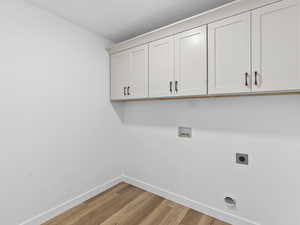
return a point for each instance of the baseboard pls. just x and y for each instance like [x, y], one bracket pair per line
[43, 217]
[211, 211]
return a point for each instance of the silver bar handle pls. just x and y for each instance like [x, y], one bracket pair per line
[246, 79]
[171, 89]
[128, 92]
[256, 78]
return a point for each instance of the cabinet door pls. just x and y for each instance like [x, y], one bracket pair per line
[191, 62]
[138, 80]
[161, 68]
[120, 73]
[229, 53]
[276, 47]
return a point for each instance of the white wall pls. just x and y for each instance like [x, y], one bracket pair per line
[57, 126]
[203, 168]
[60, 136]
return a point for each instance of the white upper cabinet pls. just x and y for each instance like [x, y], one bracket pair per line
[120, 73]
[256, 51]
[129, 74]
[191, 62]
[229, 54]
[161, 68]
[138, 82]
[276, 47]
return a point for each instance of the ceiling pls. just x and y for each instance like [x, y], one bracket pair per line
[119, 20]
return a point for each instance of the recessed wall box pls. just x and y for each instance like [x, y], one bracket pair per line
[185, 132]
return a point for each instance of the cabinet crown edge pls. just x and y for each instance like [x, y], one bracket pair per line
[207, 17]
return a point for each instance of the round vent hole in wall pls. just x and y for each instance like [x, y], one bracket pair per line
[230, 202]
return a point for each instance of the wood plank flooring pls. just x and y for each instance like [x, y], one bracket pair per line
[125, 204]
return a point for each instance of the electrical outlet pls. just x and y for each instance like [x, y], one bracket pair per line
[242, 159]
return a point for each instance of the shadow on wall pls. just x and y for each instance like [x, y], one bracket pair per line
[119, 110]
[269, 115]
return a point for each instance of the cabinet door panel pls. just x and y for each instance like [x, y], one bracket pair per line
[276, 47]
[120, 72]
[138, 80]
[230, 55]
[161, 67]
[191, 62]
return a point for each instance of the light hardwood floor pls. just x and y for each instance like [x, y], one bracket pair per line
[125, 204]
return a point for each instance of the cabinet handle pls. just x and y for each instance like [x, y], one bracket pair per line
[246, 79]
[128, 93]
[176, 86]
[256, 78]
[124, 91]
[171, 84]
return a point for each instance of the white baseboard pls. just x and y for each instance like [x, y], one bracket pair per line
[43, 217]
[211, 211]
